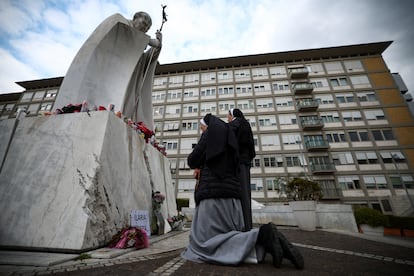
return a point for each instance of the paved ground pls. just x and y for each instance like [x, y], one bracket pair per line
[325, 253]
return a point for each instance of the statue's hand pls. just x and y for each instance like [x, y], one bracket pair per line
[158, 35]
[156, 42]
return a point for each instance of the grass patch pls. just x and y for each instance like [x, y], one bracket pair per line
[83, 256]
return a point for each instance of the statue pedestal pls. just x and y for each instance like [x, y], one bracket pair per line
[69, 182]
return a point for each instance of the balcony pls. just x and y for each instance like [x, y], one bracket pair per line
[307, 105]
[302, 88]
[319, 145]
[298, 73]
[312, 124]
[326, 168]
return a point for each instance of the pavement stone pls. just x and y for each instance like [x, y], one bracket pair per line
[108, 253]
[33, 258]
[326, 252]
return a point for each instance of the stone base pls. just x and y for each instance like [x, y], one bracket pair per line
[69, 182]
[369, 230]
[329, 216]
[305, 214]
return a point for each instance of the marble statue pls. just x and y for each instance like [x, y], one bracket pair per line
[115, 67]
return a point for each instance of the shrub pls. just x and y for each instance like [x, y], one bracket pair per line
[182, 202]
[303, 189]
[370, 216]
[400, 222]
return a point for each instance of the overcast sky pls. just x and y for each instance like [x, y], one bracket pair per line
[40, 38]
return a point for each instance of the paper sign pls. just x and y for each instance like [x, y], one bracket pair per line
[140, 219]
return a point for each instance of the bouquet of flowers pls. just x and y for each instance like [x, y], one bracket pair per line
[157, 199]
[176, 222]
[157, 222]
[130, 237]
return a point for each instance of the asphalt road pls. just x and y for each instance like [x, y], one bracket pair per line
[325, 253]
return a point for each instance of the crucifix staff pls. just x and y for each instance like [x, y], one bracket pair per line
[164, 16]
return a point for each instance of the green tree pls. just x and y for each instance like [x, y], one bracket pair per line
[303, 189]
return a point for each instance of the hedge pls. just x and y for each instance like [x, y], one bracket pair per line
[400, 222]
[370, 216]
[182, 202]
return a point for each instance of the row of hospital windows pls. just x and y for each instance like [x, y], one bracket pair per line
[39, 95]
[350, 182]
[333, 67]
[282, 119]
[225, 106]
[295, 138]
[191, 93]
[226, 90]
[289, 119]
[288, 101]
[271, 140]
[338, 158]
[298, 160]
[32, 108]
[261, 106]
[48, 96]
[283, 87]
[211, 91]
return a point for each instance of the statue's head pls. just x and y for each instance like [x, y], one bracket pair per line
[142, 21]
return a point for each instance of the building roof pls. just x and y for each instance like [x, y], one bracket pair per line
[10, 97]
[42, 83]
[376, 48]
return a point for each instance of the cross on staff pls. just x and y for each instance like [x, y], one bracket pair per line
[164, 16]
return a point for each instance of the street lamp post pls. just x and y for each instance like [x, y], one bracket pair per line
[395, 156]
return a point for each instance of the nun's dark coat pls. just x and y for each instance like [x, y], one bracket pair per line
[216, 230]
[244, 135]
[216, 154]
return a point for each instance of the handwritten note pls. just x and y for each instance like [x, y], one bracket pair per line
[140, 219]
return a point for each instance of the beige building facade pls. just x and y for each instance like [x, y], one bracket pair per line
[334, 115]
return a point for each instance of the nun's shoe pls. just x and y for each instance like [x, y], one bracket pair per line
[290, 252]
[271, 243]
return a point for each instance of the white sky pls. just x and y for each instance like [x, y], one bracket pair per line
[40, 38]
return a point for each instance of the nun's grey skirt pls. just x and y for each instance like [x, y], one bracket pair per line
[216, 234]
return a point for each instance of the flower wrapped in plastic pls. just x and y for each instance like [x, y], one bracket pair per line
[130, 237]
[157, 220]
[177, 222]
[157, 199]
